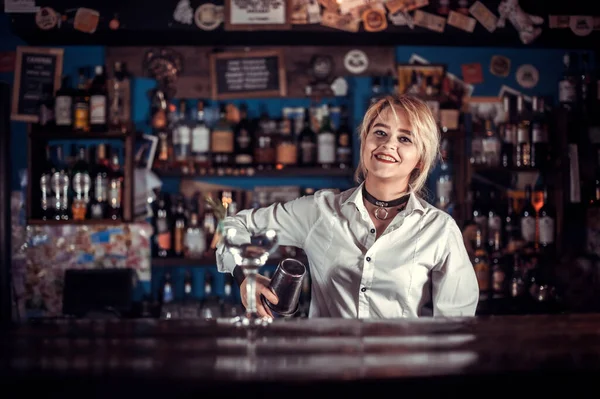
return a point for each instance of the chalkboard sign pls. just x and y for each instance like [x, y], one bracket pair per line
[37, 77]
[248, 74]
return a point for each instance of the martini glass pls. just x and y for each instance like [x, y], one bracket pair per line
[250, 252]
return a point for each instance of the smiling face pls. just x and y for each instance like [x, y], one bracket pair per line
[389, 153]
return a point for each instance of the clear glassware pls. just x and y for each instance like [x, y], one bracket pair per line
[250, 251]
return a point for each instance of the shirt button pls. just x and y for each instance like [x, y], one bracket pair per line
[363, 289]
[368, 258]
[372, 230]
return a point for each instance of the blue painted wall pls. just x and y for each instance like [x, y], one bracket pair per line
[548, 62]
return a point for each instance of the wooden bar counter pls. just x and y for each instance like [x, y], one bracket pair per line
[430, 357]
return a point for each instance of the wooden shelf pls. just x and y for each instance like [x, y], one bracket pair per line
[70, 135]
[209, 261]
[500, 169]
[94, 222]
[285, 172]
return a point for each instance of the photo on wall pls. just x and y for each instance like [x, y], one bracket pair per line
[423, 81]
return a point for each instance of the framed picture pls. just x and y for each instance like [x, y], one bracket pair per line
[423, 81]
[483, 108]
[257, 15]
[38, 73]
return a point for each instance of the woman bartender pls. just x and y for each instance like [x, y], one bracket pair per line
[377, 250]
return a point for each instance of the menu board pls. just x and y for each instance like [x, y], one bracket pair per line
[37, 77]
[248, 74]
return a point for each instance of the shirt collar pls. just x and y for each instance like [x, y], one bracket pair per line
[414, 202]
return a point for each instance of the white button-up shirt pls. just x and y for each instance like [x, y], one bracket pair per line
[418, 267]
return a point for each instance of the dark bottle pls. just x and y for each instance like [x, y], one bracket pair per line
[307, 142]
[100, 173]
[162, 227]
[210, 307]
[99, 101]
[510, 136]
[180, 224]
[499, 271]
[539, 134]
[81, 104]
[523, 153]
[63, 105]
[344, 141]
[222, 141]
[46, 195]
[547, 218]
[60, 183]
[528, 216]
[188, 287]
[82, 184]
[115, 188]
[512, 228]
[244, 143]
[158, 110]
[326, 151]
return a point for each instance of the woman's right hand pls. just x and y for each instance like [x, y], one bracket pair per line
[262, 287]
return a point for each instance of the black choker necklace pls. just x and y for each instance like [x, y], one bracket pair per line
[382, 205]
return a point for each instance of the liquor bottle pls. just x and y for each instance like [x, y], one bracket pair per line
[523, 153]
[63, 105]
[286, 150]
[491, 145]
[539, 134]
[222, 142]
[494, 226]
[99, 101]
[60, 183]
[243, 139]
[81, 104]
[264, 148]
[510, 135]
[209, 227]
[46, 198]
[229, 307]
[512, 228]
[480, 216]
[481, 264]
[528, 219]
[181, 136]
[307, 142]
[162, 227]
[499, 286]
[120, 103]
[547, 218]
[179, 227]
[115, 188]
[567, 86]
[195, 241]
[158, 110]
[99, 175]
[188, 287]
[344, 141]
[326, 142]
[210, 307]
[82, 184]
[477, 154]
[200, 139]
[244, 143]
[167, 294]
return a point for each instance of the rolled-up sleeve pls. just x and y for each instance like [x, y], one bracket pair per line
[292, 220]
[455, 291]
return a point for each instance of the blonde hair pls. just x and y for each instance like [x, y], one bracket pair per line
[426, 135]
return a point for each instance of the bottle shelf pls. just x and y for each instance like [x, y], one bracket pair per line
[284, 172]
[71, 135]
[209, 261]
[501, 169]
[90, 222]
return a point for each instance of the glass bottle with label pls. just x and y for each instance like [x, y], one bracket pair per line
[326, 141]
[528, 216]
[81, 104]
[100, 173]
[494, 220]
[162, 227]
[158, 109]
[63, 105]
[221, 141]
[307, 140]
[195, 241]
[200, 139]
[539, 134]
[188, 287]
[99, 101]
[491, 145]
[286, 151]
[567, 86]
[344, 141]
[120, 103]
[547, 217]
[498, 269]
[60, 183]
[82, 184]
[210, 307]
[46, 198]
[179, 227]
[115, 188]
[182, 138]
[523, 154]
[264, 148]
[510, 135]
[244, 143]
[477, 154]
